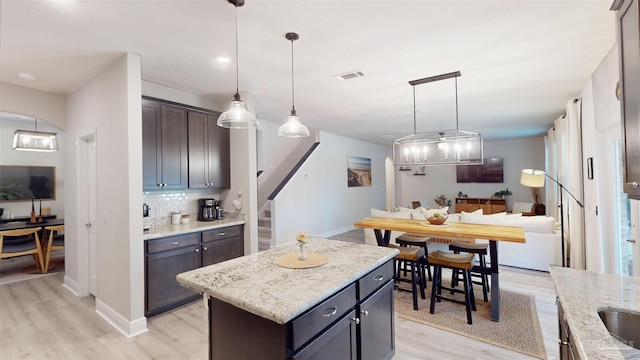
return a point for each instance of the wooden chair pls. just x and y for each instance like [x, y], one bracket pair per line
[22, 242]
[55, 242]
[416, 204]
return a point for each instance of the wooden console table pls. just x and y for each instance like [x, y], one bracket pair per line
[488, 205]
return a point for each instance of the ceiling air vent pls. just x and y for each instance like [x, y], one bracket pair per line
[349, 75]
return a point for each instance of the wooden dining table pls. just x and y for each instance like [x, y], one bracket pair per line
[28, 225]
[382, 228]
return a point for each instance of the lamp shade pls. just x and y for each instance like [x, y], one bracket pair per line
[293, 128]
[532, 178]
[237, 117]
[28, 140]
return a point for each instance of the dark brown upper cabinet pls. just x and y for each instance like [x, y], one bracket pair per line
[208, 152]
[628, 31]
[164, 146]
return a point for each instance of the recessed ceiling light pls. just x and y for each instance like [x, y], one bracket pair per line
[224, 60]
[26, 76]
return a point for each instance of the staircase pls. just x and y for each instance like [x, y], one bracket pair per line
[264, 230]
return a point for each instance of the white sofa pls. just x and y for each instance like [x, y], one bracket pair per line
[541, 249]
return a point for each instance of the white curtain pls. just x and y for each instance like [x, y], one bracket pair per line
[569, 173]
[551, 168]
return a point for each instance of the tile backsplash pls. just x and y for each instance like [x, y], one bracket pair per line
[163, 203]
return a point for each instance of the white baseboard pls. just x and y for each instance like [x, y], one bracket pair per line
[124, 326]
[335, 232]
[71, 285]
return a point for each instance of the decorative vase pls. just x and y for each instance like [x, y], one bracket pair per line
[303, 255]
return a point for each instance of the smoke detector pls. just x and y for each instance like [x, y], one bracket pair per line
[349, 75]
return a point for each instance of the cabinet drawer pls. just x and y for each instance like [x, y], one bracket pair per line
[374, 280]
[173, 242]
[320, 317]
[222, 233]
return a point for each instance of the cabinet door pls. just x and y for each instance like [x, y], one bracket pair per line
[218, 162]
[629, 48]
[151, 165]
[217, 251]
[198, 172]
[376, 337]
[174, 147]
[162, 290]
[338, 342]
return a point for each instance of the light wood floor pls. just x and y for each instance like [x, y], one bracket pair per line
[39, 319]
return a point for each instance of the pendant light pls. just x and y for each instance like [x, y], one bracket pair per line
[28, 140]
[293, 128]
[237, 117]
[444, 147]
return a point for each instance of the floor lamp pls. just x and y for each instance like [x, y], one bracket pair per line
[535, 178]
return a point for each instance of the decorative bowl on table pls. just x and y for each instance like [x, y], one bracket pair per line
[436, 220]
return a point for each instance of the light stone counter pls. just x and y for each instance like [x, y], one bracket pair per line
[256, 284]
[582, 293]
[194, 226]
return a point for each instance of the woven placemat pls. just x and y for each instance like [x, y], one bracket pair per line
[291, 260]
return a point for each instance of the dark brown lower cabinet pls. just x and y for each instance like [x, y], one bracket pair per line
[221, 244]
[567, 348]
[354, 323]
[165, 258]
[377, 337]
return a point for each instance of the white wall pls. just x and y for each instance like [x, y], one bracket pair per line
[277, 156]
[109, 106]
[317, 200]
[28, 158]
[518, 154]
[47, 106]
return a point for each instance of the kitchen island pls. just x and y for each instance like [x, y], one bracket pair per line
[259, 310]
[581, 294]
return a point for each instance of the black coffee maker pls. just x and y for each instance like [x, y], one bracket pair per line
[206, 209]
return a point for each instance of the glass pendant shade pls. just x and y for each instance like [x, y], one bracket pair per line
[27, 140]
[532, 178]
[449, 147]
[293, 128]
[237, 117]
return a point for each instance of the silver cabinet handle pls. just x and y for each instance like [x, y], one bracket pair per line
[197, 250]
[356, 320]
[175, 242]
[631, 241]
[635, 184]
[379, 278]
[204, 248]
[364, 312]
[330, 312]
[222, 234]
[88, 225]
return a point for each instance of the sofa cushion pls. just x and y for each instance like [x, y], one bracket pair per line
[390, 214]
[539, 224]
[429, 212]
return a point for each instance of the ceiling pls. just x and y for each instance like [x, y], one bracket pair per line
[521, 61]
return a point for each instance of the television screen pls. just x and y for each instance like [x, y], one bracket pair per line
[489, 172]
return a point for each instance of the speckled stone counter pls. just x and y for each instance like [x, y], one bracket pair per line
[256, 284]
[194, 226]
[581, 294]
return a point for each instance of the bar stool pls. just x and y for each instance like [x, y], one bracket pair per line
[410, 240]
[476, 271]
[462, 262]
[411, 256]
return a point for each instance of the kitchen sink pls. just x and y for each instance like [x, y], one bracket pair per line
[622, 325]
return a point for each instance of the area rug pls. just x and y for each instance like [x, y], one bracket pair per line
[517, 330]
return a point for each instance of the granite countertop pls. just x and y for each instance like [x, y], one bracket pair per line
[160, 231]
[582, 293]
[256, 284]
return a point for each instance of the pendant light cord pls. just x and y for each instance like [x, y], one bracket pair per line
[414, 110]
[237, 60]
[293, 98]
[457, 103]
